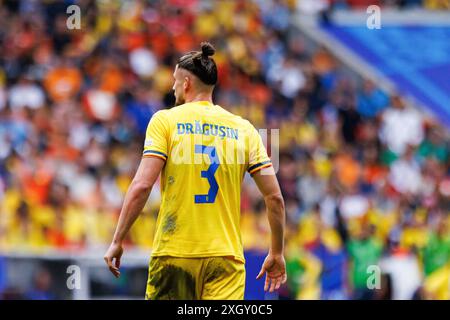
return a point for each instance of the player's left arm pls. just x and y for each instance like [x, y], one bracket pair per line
[134, 202]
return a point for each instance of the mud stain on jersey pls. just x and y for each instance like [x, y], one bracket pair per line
[170, 223]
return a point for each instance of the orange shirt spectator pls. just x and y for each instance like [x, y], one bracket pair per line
[62, 83]
[348, 170]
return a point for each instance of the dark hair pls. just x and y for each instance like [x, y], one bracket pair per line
[200, 63]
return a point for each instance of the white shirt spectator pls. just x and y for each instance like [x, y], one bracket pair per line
[111, 192]
[26, 95]
[405, 275]
[400, 128]
[143, 62]
[311, 190]
[82, 186]
[327, 211]
[405, 176]
[289, 76]
[102, 104]
[79, 135]
[353, 206]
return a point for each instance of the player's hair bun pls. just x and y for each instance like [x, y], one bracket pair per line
[207, 49]
[200, 63]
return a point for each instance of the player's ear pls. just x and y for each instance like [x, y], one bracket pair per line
[186, 83]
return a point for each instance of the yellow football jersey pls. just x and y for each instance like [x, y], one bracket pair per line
[207, 152]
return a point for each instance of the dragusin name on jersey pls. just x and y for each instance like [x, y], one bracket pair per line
[207, 129]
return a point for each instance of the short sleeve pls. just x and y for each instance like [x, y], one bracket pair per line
[156, 137]
[258, 158]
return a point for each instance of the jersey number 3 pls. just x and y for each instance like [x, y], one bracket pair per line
[208, 174]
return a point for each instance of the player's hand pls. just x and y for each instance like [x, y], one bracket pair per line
[275, 268]
[114, 252]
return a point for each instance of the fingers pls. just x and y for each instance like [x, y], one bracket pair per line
[272, 285]
[114, 269]
[275, 275]
[117, 262]
[284, 278]
[261, 273]
[266, 284]
[278, 283]
[108, 260]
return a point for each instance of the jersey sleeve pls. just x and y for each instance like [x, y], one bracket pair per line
[157, 136]
[258, 158]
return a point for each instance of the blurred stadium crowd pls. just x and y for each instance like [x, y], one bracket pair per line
[365, 177]
[427, 4]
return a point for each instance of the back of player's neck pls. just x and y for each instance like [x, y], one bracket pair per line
[201, 98]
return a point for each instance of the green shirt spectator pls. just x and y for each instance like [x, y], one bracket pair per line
[429, 149]
[363, 253]
[436, 253]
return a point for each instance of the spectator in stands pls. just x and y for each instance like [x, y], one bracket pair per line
[364, 251]
[405, 174]
[333, 257]
[401, 127]
[42, 286]
[403, 269]
[436, 253]
[371, 100]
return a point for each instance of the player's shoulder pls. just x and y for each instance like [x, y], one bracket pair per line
[175, 111]
[247, 125]
[161, 114]
[166, 116]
